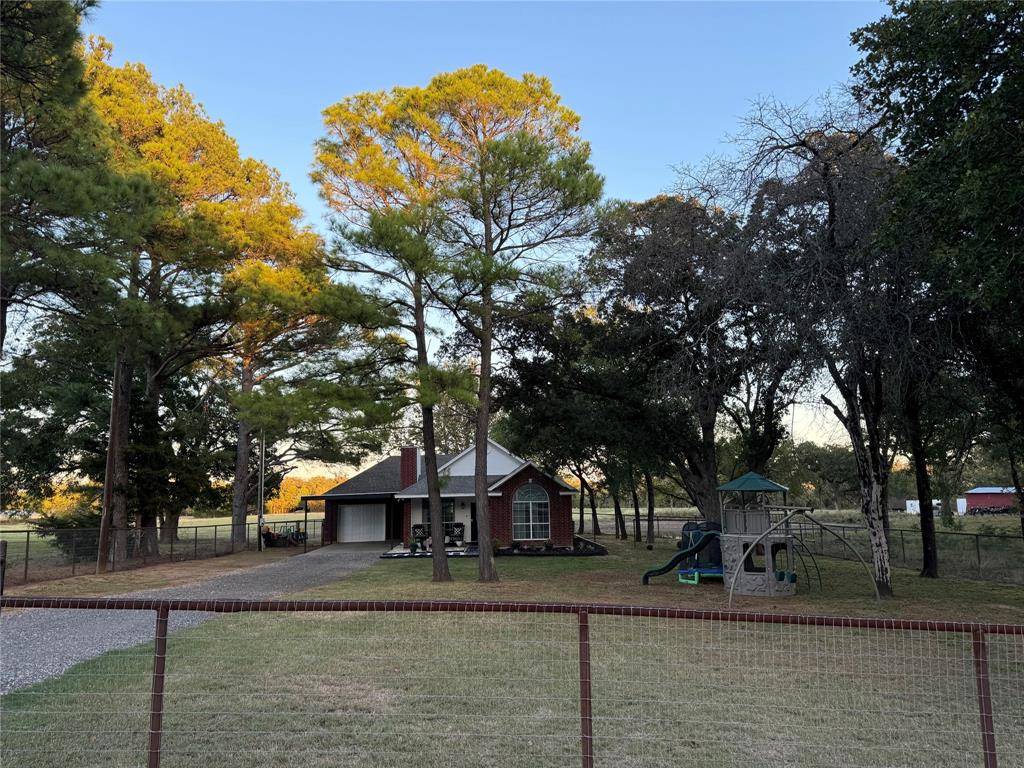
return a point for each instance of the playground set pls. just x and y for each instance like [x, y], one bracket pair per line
[756, 548]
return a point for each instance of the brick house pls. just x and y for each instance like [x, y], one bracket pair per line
[384, 502]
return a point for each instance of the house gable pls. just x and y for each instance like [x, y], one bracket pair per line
[500, 462]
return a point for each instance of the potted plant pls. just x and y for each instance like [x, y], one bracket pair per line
[549, 545]
[413, 547]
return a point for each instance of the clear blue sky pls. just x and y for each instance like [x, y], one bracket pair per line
[656, 84]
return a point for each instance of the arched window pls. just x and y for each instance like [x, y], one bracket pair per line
[531, 514]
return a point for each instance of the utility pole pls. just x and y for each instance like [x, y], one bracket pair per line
[263, 463]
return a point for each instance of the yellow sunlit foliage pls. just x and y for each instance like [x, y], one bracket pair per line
[66, 499]
[294, 488]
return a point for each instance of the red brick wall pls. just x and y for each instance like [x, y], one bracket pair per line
[407, 471]
[561, 508]
[975, 500]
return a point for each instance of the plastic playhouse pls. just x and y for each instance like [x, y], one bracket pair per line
[756, 548]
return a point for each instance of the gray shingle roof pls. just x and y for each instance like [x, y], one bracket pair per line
[384, 478]
[460, 485]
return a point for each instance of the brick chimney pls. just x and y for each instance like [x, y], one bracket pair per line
[409, 465]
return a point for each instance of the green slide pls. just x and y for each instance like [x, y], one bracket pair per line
[677, 558]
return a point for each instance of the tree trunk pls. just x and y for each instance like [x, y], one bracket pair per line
[912, 411]
[6, 300]
[595, 525]
[152, 481]
[488, 571]
[636, 510]
[649, 485]
[581, 527]
[438, 553]
[1018, 487]
[114, 523]
[698, 470]
[241, 490]
[871, 480]
[620, 520]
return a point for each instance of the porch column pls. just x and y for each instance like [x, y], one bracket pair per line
[406, 522]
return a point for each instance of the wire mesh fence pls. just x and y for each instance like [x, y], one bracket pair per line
[962, 554]
[339, 683]
[37, 554]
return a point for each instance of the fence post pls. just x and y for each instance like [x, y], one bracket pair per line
[586, 711]
[903, 547]
[156, 710]
[305, 527]
[977, 552]
[174, 535]
[113, 551]
[3, 563]
[988, 734]
[28, 543]
[233, 532]
[215, 540]
[74, 551]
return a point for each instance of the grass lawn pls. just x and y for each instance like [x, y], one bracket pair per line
[373, 689]
[616, 579]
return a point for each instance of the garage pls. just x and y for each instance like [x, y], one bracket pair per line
[361, 522]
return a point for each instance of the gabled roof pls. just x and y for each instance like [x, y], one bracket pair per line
[382, 479]
[992, 489]
[568, 490]
[457, 485]
[452, 459]
[752, 483]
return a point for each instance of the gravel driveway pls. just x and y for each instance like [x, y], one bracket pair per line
[39, 644]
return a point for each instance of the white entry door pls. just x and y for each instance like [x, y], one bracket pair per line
[361, 522]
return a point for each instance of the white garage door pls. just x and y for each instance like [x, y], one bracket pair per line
[361, 522]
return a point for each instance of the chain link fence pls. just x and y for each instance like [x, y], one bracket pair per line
[35, 554]
[348, 683]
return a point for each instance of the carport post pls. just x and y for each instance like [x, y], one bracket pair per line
[305, 526]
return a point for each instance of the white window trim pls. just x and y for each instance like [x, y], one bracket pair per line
[532, 524]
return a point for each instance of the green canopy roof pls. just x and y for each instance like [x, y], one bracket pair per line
[754, 483]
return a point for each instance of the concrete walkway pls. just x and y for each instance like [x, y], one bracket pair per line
[38, 644]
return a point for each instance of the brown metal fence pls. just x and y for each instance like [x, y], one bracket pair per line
[382, 683]
[41, 554]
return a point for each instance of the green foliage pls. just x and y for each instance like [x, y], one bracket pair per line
[948, 79]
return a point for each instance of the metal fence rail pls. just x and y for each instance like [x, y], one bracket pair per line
[439, 683]
[35, 554]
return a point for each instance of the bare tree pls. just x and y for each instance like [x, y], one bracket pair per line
[818, 185]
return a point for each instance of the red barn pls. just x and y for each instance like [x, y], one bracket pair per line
[989, 497]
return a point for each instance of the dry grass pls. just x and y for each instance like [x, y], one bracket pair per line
[616, 579]
[153, 577]
[436, 690]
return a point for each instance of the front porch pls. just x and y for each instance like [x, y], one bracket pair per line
[401, 551]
